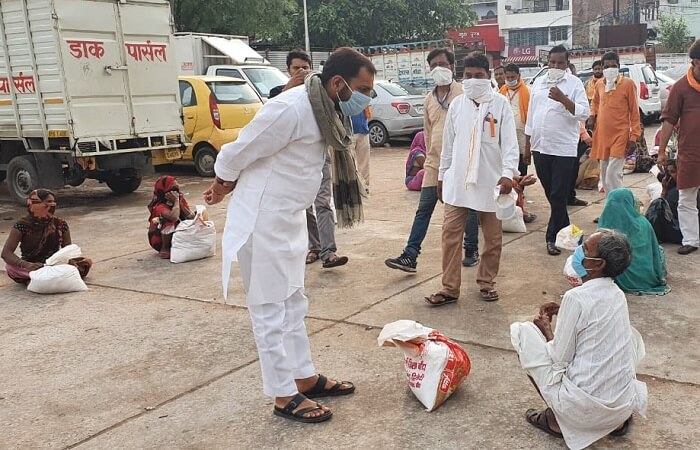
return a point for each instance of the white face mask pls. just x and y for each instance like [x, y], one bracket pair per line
[512, 83]
[441, 75]
[611, 74]
[555, 75]
[477, 89]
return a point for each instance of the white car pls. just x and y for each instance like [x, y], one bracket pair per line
[648, 89]
[397, 110]
[665, 85]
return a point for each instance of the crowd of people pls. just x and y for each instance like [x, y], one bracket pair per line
[307, 147]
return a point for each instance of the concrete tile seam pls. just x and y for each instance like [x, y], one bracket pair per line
[95, 261]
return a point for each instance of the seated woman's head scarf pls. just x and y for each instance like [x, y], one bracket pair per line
[647, 272]
[165, 184]
[417, 148]
[42, 232]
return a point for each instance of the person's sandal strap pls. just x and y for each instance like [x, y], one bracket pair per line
[440, 299]
[319, 390]
[294, 404]
[539, 420]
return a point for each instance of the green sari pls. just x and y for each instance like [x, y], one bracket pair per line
[647, 272]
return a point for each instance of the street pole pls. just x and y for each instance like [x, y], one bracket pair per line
[306, 29]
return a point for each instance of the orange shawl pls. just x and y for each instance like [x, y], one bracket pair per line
[524, 97]
[692, 81]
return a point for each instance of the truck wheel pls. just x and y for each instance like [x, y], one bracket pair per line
[204, 160]
[22, 178]
[378, 135]
[120, 185]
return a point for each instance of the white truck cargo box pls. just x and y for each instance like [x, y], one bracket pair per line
[88, 78]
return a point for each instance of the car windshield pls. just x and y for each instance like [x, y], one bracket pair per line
[394, 89]
[233, 93]
[649, 76]
[265, 78]
[410, 89]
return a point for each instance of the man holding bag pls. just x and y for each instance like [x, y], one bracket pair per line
[479, 155]
[274, 171]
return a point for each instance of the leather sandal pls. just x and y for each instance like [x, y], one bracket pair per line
[319, 390]
[539, 419]
[440, 299]
[552, 249]
[288, 411]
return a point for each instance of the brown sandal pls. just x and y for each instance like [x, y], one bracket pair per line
[539, 420]
[440, 299]
[312, 257]
[489, 295]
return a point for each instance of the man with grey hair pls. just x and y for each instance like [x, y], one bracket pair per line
[585, 372]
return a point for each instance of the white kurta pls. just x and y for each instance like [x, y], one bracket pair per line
[499, 153]
[587, 373]
[277, 160]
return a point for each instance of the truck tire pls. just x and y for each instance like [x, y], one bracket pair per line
[120, 185]
[22, 178]
[204, 159]
[378, 135]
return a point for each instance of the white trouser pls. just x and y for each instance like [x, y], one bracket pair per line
[361, 149]
[688, 216]
[283, 344]
[611, 173]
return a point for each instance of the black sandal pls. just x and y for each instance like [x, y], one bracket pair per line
[288, 411]
[552, 249]
[319, 390]
[440, 299]
[335, 261]
[539, 420]
[623, 429]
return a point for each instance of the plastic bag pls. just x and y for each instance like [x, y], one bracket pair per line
[57, 279]
[569, 237]
[435, 366]
[515, 224]
[654, 191]
[64, 255]
[193, 239]
[570, 274]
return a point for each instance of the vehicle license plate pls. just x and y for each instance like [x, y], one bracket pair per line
[172, 153]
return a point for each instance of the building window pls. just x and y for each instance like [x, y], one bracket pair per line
[526, 38]
[559, 34]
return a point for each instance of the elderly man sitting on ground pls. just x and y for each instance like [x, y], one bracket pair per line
[585, 372]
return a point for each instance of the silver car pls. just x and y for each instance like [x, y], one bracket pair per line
[665, 85]
[397, 110]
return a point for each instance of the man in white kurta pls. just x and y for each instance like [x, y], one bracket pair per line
[585, 371]
[479, 155]
[274, 171]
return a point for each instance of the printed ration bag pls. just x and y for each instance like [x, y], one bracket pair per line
[434, 364]
[194, 239]
[57, 276]
[515, 224]
[569, 237]
[570, 274]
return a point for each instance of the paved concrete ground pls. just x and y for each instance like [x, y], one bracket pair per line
[151, 356]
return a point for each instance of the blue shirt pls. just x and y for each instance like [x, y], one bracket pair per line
[359, 124]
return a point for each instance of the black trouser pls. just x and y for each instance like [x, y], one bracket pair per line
[582, 148]
[555, 174]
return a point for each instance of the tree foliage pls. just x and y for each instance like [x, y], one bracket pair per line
[673, 33]
[332, 23]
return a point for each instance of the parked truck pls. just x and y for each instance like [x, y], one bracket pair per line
[226, 55]
[88, 89]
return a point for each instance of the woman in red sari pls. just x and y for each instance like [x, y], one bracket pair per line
[39, 235]
[168, 207]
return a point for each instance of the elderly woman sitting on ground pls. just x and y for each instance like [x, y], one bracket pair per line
[167, 208]
[39, 235]
[586, 370]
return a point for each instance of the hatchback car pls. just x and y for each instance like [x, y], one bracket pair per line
[215, 108]
[665, 85]
[396, 111]
[648, 88]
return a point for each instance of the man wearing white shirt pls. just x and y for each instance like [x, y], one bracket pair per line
[274, 171]
[557, 105]
[585, 370]
[479, 155]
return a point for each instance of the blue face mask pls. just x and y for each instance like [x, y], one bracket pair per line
[577, 262]
[355, 104]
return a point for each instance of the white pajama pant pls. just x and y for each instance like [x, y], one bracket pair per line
[611, 173]
[283, 344]
[688, 216]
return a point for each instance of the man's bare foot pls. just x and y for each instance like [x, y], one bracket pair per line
[307, 384]
[281, 402]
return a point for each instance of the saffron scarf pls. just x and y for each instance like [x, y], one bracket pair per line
[524, 97]
[692, 81]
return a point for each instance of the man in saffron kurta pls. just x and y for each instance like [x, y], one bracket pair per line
[615, 116]
[684, 106]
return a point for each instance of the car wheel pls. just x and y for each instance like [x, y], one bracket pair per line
[123, 185]
[22, 178]
[204, 159]
[378, 135]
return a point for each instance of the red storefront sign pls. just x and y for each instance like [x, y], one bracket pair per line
[486, 34]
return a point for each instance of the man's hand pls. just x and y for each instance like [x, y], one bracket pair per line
[588, 141]
[544, 323]
[217, 191]
[527, 180]
[527, 156]
[173, 197]
[661, 158]
[631, 148]
[506, 185]
[549, 309]
[439, 191]
[590, 123]
[297, 79]
[30, 266]
[557, 95]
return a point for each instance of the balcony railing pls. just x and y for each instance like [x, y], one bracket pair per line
[538, 7]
